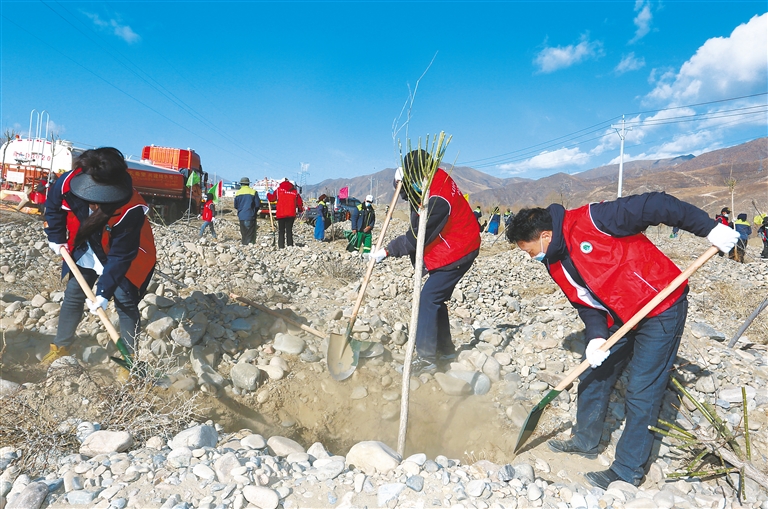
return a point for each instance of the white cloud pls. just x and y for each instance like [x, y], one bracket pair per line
[124, 32]
[642, 20]
[722, 67]
[56, 129]
[692, 143]
[547, 160]
[551, 59]
[629, 63]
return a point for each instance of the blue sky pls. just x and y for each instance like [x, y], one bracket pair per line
[256, 88]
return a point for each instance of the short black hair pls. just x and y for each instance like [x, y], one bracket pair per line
[528, 224]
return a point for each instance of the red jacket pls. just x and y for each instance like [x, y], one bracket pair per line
[622, 274]
[461, 234]
[288, 200]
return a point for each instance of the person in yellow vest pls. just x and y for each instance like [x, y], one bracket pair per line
[94, 213]
[745, 230]
[247, 203]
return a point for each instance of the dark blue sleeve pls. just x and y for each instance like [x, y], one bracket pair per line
[125, 241]
[372, 222]
[354, 219]
[595, 321]
[55, 216]
[633, 214]
[438, 213]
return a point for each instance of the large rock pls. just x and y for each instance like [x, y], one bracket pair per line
[480, 382]
[389, 492]
[160, 328]
[453, 386]
[106, 442]
[702, 330]
[372, 457]
[30, 498]
[195, 437]
[188, 334]
[224, 466]
[261, 496]
[281, 446]
[245, 376]
[289, 344]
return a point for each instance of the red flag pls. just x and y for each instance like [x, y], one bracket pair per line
[344, 193]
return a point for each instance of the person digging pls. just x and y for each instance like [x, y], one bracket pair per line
[451, 246]
[95, 214]
[609, 270]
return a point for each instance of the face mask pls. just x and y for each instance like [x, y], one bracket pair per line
[540, 257]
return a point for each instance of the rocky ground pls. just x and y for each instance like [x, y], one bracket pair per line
[264, 425]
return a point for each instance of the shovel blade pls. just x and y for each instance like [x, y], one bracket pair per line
[342, 356]
[532, 420]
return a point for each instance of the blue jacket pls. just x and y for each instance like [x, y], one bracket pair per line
[621, 218]
[247, 203]
[125, 238]
[744, 229]
[362, 216]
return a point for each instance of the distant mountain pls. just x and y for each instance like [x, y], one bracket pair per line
[700, 180]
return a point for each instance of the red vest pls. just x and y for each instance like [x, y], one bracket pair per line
[145, 260]
[624, 273]
[207, 212]
[461, 234]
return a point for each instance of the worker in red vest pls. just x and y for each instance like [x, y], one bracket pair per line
[208, 215]
[452, 244]
[609, 270]
[288, 205]
[95, 214]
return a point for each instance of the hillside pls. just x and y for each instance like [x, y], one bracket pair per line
[700, 180]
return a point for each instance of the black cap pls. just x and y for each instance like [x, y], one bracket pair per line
[86, 188]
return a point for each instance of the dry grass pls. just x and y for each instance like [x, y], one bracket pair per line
[741, 302]
[41, 422]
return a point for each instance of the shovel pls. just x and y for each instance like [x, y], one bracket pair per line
[344, 351]
[127, 360]
[533, 418]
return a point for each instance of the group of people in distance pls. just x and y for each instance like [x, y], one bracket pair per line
[597, 254]
[744, 229]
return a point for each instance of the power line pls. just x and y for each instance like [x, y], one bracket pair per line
[127, 63]
[113, 85]
[527, 152]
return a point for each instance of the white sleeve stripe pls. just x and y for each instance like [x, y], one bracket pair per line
[584, 295]
[145, 207]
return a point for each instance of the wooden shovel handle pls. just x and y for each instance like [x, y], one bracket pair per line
[89, 293]
[372, 262]
[674, 285]
[272, 312]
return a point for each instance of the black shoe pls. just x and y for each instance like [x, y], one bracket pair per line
[569, 447]
[420, 366]
[603, 478]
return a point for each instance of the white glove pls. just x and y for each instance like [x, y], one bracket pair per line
[399, 174]
[100, 302]
[213, 219]
[723, 237]
[595, 356]
[378, 256]
[56, 248]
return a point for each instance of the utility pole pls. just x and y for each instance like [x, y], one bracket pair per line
[622, 134]
[371, 191]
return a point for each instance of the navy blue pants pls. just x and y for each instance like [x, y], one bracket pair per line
[649, 351]
[71, 313]
[434, 333]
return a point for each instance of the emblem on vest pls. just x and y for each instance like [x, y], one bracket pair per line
[585, 247]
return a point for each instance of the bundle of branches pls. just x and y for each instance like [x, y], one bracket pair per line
[715, 450]
[419, 168]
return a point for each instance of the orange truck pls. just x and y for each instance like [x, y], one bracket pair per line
[30, 165]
